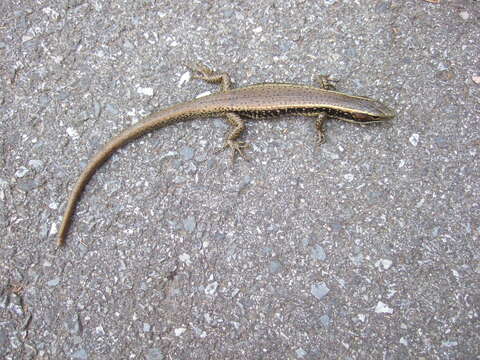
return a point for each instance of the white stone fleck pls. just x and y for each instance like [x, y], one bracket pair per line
[325, 320]
[384, 263]
[258, 30]
[349, 177]
[50, 12]
[53, 282]
[199, 332]
[420, 203]
[185, 258]
[21, 172]
[80, 354]
[319, 290]
[168, 154]
[132, 113]
[391, 293]
[36, 164]
[211, 288]
[72, 133]
[145, 91]
[57, 59]
[403, 341]
[449, 343]
[357, 259]
[179, 331]
[442, 66]
[330, 155]
[318, 253]
[184, 78]
[414, 139]
[464, 15]
[361, 317]
[382, 308]
[207, 318]
[53, 229]
[300, 353]
[205, 93]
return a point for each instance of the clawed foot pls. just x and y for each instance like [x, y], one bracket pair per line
[320, 130]
[203, 72]
[237, 148]
[326, 82]
[320, 139]
[200, 71]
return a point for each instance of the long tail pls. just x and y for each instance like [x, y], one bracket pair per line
[156, 121]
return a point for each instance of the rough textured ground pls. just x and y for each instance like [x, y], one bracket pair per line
[364, 248]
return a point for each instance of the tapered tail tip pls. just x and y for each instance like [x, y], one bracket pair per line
[61, 239]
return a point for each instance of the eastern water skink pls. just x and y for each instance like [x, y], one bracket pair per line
[249, 102]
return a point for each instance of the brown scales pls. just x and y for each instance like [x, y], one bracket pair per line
[252, 102]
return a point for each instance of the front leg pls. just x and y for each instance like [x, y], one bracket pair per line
[203, 72]
[325, 82]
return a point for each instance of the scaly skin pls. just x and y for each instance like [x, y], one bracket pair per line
[251, 102]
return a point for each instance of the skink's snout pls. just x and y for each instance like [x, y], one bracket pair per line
[386, 112]
[380, 111]
[371, 111]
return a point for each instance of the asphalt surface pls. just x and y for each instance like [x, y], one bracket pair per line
[363, 248]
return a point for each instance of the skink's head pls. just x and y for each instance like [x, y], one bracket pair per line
[367, 111]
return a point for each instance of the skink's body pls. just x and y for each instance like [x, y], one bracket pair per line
[256, 101]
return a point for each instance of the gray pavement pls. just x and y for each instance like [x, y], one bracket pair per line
[364, 248]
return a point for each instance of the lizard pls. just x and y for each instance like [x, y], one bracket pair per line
[236, 104]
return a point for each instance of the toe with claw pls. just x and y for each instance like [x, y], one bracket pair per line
[237, 147]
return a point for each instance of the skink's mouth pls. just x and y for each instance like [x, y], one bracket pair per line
[374, 112]
[362, 118]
